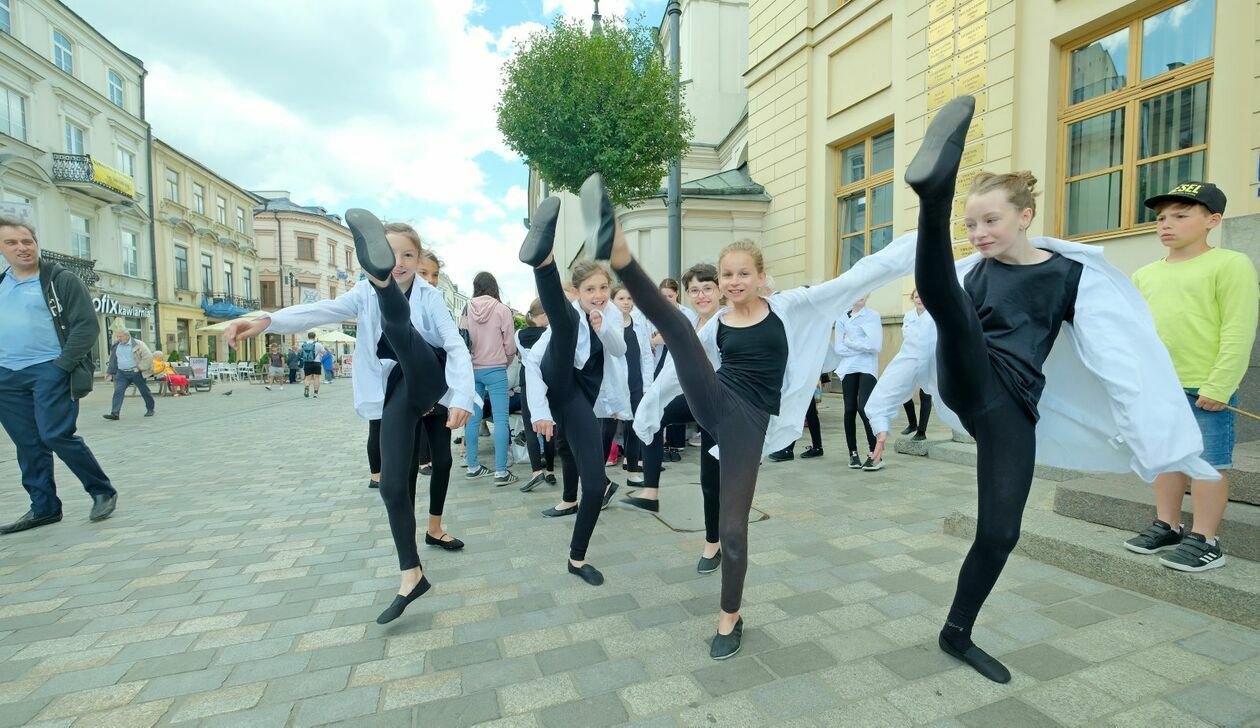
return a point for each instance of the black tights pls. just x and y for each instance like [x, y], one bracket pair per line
[432, 445]
[542, 455]
[857, 389]
[811, 422]
[738, 427]
[570, 406]
[677, 412]
[919, 424]
[415, 385]
[1005, 433]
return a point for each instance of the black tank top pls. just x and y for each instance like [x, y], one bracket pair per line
[1021, 309]
[591, 376]
[754, 359]
[632, 360]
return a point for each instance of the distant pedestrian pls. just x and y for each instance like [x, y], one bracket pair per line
[326, 361]
[48, 327]
[129, 361]
[311, 352]
[275, 366]
[294, 360]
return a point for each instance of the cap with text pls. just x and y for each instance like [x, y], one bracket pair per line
[1201, 193]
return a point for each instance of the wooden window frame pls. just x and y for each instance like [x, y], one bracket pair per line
[267, 292]
[867, 184]
[1130, 99]
[300, 241]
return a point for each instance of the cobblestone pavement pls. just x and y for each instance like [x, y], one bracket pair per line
[239, 581]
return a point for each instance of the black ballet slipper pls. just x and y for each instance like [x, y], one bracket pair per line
[554, 512]
[453, 545]
[708, 566]
[726, 645]
[370, 245]
[587, 573]
[542, 233]
[609, 491]
[399, 605]
[932, 172]
[597, 212]
[980, 661]
[646, 504]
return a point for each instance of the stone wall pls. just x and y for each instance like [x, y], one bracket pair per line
[1243, 234]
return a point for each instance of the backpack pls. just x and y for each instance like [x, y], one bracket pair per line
[308, 351]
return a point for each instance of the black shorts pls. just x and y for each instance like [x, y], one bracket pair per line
[312, 369]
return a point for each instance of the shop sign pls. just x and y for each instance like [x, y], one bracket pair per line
[111, 306]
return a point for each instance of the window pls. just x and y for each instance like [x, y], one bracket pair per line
[332, 254]
[130, 254]
[115, 87]
[126, 162]
[247, 283]
[864, 199]
[221, 213]
[349, 261]
[1135, 117]
[228, 287]
[80, 237]
[207, 273]
[12, 113]
[199, 199]
[306, 248]
[267, 291]
[74, 138]
[181, 267]
[172, 185]
[63, 52]
[240, 220]
[332, 292]
[6, 17]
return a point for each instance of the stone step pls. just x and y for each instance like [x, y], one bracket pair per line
[1129, 505]
[1231, 592]
[1244, 479]
[964, 454]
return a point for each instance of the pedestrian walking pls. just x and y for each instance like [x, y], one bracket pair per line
[492, 338]
[129, 362]
[294, 361]
[275, 367]
[326, 362]
[311, 352]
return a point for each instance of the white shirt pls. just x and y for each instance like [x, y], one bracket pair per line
[913, 366]
[430, 318]
[614, 391]
[858, 339]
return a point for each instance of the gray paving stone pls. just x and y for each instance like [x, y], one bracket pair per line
[741, 673]
[658, 615]
[259, 650]
[306, 685]
[917, 661]
[267, 716]
[1007, 713]
[793, 697]
[1044, 662]
[468, 710]
[809, 603]
[70, 682]
[186, 683]
[797, 659]
[470, 653]
[155, 648]
[169, 665]
[608, 605]
[1075, 614]
[609, 676]
[344, 705]
[1217, 704]
[1044, 592]
[347, 654]
[602, 710]
[1118, 602]
[1219, 646]
[22, 712]
[496, 674]
[268, 668]
[527, 603]
[570, 657]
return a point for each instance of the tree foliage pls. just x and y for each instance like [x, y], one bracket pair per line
[575, 103]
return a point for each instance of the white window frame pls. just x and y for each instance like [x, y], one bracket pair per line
[240, 220]
[114, 82]
[9, 98]
[247, 282]
[6, 12]
[69, 138]
[130, 253]
[207, 286]
[126, 161]
[63, 53]
[199, 200]
[81, 242]
[220, 204]
[172, 185]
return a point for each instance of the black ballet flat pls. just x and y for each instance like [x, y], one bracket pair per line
[370, 245]
[399, 605]
[453, 545]
[542, 233]
[597, 212]
[587, 573]
[980, 661]
[935, 165]
[646, 504]
[708, 566]
[726, 645]
[374, 483]
[609, 490]
[554, 512]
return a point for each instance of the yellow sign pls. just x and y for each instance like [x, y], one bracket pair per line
[975, 131]
[962, 250]
[940, 29]
[937, 97]
[963, 184]
[940, 8]
[939, 74]
[941, 52]
[973, 81]
[107, 176]
[959, 203]
[971, 58]
[982, 102]
[972, 34]
[973, 154]
[972, 11]
[960, 233]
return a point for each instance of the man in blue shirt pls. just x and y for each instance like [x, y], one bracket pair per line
[48, 327]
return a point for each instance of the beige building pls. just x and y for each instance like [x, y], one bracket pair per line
[207, 261]
[74, 156]
[1106, 101]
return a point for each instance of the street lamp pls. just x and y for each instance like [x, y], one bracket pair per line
[595, 21]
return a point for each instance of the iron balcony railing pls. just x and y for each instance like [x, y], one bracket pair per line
[82, 169]
[238, 301]
[82, 267]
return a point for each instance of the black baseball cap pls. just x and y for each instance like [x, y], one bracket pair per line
[1201, 193]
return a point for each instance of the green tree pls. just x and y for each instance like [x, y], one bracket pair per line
[574, 103]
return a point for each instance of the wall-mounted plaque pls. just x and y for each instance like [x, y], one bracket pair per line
[971, 11]
[971, 58]
[938, 9]
[940, 29]
[941, 52]
[974, 80]
[972, 34]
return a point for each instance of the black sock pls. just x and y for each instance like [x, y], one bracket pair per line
[958, 637]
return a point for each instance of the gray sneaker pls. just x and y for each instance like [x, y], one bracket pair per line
[1158, 536]
[477, 473]
[1194, 554]
[503, 478]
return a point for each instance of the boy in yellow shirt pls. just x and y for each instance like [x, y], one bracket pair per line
[1204, 301]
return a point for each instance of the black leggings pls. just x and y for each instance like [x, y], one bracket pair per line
[542, 455]
[920, 423]
[632, 446]
[415, 385]
[1005, 433]
[857, 389]
[737, 426]
[608, 433]
[570, 407]
[432, 445]
[811, 422]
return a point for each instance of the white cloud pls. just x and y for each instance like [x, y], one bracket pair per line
[514, 199]
[466, 252]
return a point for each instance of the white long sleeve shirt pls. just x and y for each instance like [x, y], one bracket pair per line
[429, 316]
[614, 391]
[858, 340]
[913, 366]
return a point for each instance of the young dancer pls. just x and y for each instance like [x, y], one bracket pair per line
[858, 340]
[542, 451]
[397, 378]
[916, 424]
[1108, 401]
[639, 369]
[566, 369]
[747, 376]
[910, 368]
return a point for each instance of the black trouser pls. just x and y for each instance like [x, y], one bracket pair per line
[1005, 432]
[738, 427]
[857, 389]
[633, 447]
[710, 472]
[676, 413]
[415, 385]
[292, 375]
[432, 445]
[542, 455]
[570, 406]
[607, 433]
[920, 423]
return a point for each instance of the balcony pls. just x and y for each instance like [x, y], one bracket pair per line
[82, 267]
[226, 305]
[89, 176]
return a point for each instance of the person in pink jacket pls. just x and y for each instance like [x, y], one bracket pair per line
[491, 337]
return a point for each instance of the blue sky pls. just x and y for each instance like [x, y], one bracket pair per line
[382, 104]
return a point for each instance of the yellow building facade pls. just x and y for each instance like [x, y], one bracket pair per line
[1106, 101]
